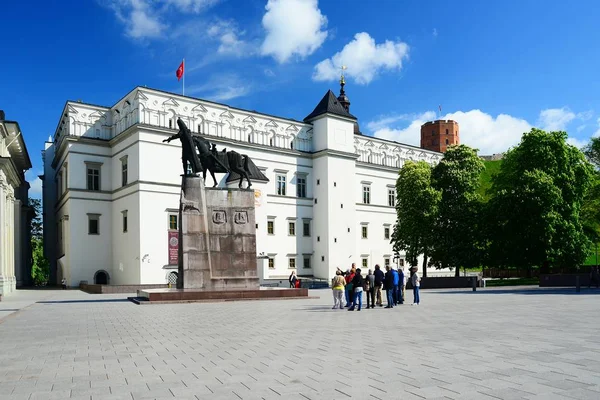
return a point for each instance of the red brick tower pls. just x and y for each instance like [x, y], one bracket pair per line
[438, 135]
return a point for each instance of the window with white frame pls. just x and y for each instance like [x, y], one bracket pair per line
[301, 186]
[306, 227]
[386, 232]
[364, 229]
[271, 262]
[292, 228]
[271, 227]
[292, 262]
[93, 176]
[366, 192]
[281, 184]
[365, 263]
[173, 221]
[386, 262]
[391, 197]
[307, 262]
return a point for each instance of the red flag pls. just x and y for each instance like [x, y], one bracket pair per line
[179, 72]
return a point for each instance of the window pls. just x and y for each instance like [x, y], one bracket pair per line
[401, 262]
[366, 194]
[386, 262]
[271, 227]
[93, 177]
[364, 232]
[173, 226]
[200, 130]
[124, 213]
[93, 224]
[391, 197]
[281, 185]
[124, 171]
[306, 262]
[386, 232]
[365, 263]
[170, 123]
[301, 186]
[446, 141]
[318, 181]
[306, 228]
[432, 133]
[292, 263]
[292, 228]
[271, 262]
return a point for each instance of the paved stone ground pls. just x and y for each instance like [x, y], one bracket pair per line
[505, 344]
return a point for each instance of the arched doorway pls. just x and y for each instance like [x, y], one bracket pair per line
[101, 278]
[172, 278]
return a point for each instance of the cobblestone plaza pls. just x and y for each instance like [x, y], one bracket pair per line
[504, 344]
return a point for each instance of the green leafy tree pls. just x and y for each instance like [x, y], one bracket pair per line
[536, 203]
[416, 207]
[40, 267]
[457, 241]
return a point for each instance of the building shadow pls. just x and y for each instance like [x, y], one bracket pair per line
[83, 301]
[530, 291]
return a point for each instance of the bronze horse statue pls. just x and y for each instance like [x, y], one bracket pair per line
[223, 161]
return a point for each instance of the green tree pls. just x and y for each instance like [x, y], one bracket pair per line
[40, 267]
[536, 201]
[416, 207]
[457, 241]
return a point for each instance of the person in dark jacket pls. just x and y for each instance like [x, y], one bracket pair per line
[389, 287]
[370, 290]
[357, 284]
[379, 277]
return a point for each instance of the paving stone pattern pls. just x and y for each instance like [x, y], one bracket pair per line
[500, 344]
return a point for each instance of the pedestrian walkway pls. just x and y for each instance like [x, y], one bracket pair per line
[458, 344]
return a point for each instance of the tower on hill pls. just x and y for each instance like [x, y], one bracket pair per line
[438, 135]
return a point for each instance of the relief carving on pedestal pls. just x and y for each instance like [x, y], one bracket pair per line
[240, 217]
[219, 217]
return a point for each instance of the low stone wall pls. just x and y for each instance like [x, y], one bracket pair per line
[104, 289]
[564, 280]
[446, 282]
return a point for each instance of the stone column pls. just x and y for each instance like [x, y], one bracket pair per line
[3, 188]
[194, 251]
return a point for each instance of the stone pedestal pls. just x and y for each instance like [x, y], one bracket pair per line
[217, 238]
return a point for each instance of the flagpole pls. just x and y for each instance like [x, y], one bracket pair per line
[183, 84]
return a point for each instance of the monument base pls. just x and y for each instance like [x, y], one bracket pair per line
[161, 296]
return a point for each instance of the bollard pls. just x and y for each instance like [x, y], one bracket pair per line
[577, 285]
[474, 280]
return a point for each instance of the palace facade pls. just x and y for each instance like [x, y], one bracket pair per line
[111, 187]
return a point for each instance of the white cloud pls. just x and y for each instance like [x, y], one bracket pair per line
[269, 72]
[194, 6]
[222, 87]
[576, 142]
[139, 19]
[435, 32]
[555, 119]
[365, 59]
[293, 28]
[35, 183]
[476, 129]
[228, 36]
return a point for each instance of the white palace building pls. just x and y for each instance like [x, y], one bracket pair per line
[111, 187]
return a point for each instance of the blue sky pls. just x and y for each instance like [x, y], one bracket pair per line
[498, 68]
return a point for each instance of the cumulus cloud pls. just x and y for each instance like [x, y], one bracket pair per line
[222, 87]
[365, 59]
[293, 28]
[555, 119]
[146, 19]
[35, 184]
[477, 129]
[228, 36]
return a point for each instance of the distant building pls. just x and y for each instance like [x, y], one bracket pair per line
[111, 187]
[15, 214]
[493, 157]
[438, 135]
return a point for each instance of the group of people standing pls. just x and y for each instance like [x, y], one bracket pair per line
[351, 285]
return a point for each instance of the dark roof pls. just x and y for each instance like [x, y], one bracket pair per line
[329, 104]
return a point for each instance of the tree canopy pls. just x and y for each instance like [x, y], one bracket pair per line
[416, 207]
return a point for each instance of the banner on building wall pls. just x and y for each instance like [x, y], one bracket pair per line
[173, 247]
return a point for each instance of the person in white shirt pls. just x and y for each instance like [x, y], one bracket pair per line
[416, 283]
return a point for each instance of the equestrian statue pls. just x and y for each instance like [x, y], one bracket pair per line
[207, 158]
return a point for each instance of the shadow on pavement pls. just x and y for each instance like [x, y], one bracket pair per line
[528, 291]
[9, 309]
[83, 301]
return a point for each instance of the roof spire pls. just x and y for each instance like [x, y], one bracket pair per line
[342, 98]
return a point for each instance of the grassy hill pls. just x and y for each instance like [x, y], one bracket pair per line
[485, 180]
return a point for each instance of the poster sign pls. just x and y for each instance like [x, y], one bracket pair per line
[173, 247]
